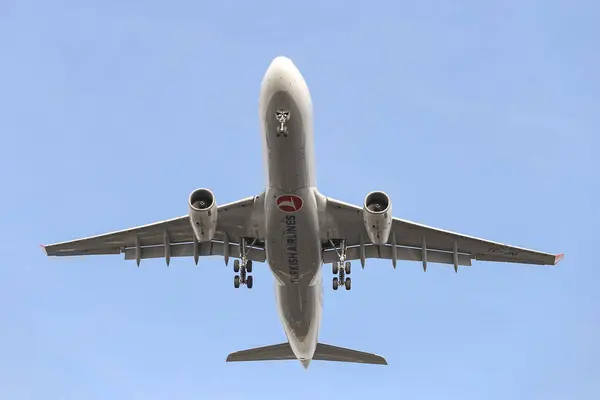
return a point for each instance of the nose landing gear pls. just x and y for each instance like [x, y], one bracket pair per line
[244, 267]
[283, 116]
[342, 267]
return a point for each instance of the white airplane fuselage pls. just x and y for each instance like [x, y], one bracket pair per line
[292, 234]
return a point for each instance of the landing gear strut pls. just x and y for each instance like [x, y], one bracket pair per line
[244, 267]
[283, 116]
[342, 267]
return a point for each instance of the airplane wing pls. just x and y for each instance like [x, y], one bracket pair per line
[416, 242]
[172, 238]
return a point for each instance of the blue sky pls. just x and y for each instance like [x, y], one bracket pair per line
[475, 117]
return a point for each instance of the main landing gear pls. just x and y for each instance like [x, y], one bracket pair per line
[341, 268]
[243, 267]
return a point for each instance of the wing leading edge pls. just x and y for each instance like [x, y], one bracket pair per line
[417, 242]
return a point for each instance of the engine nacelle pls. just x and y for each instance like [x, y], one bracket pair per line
[203, 214]
[377, 216]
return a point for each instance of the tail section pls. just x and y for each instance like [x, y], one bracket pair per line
[274, 352]
[326, 352]
[323, 352]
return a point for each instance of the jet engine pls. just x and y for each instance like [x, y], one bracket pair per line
[377, 216]
[203, 214]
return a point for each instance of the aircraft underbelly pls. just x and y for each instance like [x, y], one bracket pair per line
[300, 313]
[294, 256]
[288, 144]
[292, 238]
[292, 244]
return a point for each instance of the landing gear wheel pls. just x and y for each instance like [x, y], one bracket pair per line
[236, 266]
[249, 266]
[236, 281]
[340, 267]
[249, 282]
[282, 130]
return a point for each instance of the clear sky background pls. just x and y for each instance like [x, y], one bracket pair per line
[478, 117]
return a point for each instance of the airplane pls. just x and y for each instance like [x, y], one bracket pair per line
[296, 230]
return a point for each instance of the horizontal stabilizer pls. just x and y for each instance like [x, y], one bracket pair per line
[323, 352]
[274, 352]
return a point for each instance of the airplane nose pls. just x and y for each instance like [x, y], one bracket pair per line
[283, 76]
[282, 61]
[280, 75]
[282, 67]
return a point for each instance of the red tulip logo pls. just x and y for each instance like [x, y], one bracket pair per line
[289, 203]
